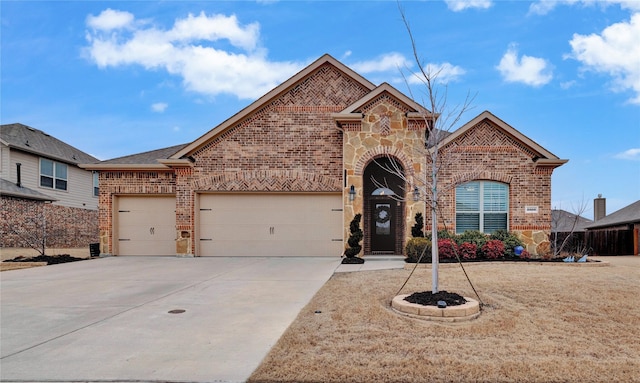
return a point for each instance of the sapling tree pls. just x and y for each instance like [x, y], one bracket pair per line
[567, 221]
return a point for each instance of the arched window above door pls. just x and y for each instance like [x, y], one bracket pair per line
[383, 191]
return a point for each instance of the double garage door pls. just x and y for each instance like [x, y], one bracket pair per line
[235, 225]
[270, 225]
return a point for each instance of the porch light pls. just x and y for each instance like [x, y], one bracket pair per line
[416, 194]
[352, 193]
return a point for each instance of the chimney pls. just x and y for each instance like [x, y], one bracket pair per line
[599, 208]
[18, 175]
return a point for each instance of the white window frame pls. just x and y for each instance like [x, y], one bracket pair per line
[54, 177]
[481, 212]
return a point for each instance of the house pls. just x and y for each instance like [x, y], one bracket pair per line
[42, 186]
[563, 221]
[286, 175]
[617, 233]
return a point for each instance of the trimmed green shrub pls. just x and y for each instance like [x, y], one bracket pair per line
[468, 250]
[493, 249]
[476, 237]
[510, 241]
[447, 248]
[415, 247]
[417, 229]
[354, 239]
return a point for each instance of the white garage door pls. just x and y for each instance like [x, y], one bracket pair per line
[146, 225]
[270, 225]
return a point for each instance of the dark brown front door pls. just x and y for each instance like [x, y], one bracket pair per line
[383, 225]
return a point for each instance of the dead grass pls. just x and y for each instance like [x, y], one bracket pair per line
[541, 324]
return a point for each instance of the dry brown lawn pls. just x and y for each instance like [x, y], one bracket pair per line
[541, 323]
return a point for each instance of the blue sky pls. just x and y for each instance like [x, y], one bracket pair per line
[116, 78]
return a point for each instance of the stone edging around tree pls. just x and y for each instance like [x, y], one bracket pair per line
[460, 313]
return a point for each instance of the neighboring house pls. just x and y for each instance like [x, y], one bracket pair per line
[563, 221]
[40, 177]
[617, 233]
[286, 175]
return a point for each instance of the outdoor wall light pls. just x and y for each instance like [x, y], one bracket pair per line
[416, 194]
[352, 193]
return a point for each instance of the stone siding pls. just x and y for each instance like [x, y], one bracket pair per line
[65, 227]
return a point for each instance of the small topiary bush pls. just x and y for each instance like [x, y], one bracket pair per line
[416, 229]
[468, 250]
[447, 248]
[414, 249]
[354, 239]
[493, 249]
[510, 241]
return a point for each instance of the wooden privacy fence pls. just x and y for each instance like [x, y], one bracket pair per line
[597, 242]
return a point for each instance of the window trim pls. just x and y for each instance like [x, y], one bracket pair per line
[54, 177]
[481, 212]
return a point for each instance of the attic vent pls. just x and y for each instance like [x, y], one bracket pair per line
[27, 143]
[74, 157]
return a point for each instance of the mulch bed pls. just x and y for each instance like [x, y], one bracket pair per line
[427, 298]
[49, 259]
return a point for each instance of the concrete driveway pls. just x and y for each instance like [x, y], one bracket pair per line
[110, 319]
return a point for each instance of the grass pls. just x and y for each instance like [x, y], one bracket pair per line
[541, 323]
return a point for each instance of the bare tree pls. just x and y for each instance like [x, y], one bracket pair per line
[567, 224]
[33, 231]
[440, 119]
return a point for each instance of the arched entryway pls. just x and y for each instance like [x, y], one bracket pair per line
[383, 209]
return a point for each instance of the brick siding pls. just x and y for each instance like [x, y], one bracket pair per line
[66, 227]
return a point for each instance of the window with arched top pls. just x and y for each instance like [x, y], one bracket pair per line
[482, 206]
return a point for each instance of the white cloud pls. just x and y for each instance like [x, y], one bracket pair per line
[528, 70]
[110, 19]
[159, 107]
[442, 73]
[615, 52]
[461, 5]
[631, 154]
[188, 50]
[542, 7]
[383, 63]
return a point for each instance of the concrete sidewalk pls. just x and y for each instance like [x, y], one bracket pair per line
[109, 319]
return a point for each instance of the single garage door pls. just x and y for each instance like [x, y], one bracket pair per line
[280, 224]
[146, 225]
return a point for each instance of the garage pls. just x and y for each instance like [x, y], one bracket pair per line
[276, 224]
[145, 225]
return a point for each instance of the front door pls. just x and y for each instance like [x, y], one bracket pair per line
[383, 225]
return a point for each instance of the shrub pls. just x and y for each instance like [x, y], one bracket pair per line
[354, 239]
[493, 249]
[416, 230]
[468, 250]
[473, 236]
[447, 248]
[414, 249]
[525, 254]
[443, 234]
[510, 241]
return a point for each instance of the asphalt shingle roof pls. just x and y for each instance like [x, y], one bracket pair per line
[146, 158]
[8, 188]
[629, 214]
[28, 139]
[563, 221]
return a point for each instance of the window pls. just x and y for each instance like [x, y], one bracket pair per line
[482, 206]
[53, 174]
[96, 189]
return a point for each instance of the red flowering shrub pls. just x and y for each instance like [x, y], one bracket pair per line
[447, 248]
[468, 250]
[525, 255]
[493, 249]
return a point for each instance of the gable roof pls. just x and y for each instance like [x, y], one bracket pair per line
[382, 88]
[34, 141]
[274, 93]
[626, 215]
[563, 221]
[147, 160]
[546, 158]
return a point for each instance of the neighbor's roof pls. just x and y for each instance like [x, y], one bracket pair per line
[8, 188]
[629, 214]
[31, 140]
[150, 159]
[563, 221]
